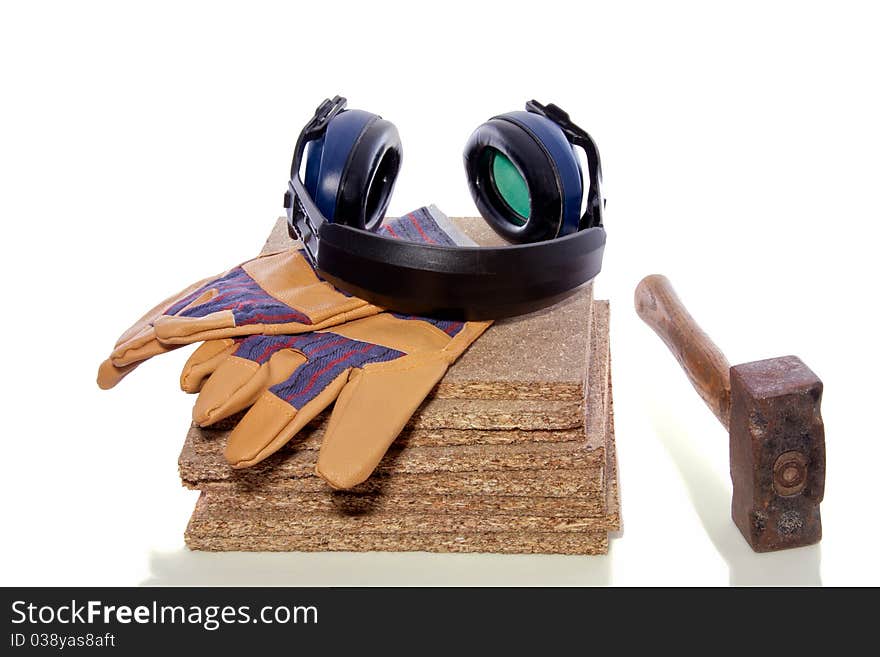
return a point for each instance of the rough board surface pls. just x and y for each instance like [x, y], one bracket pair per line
[582, 484]
[253, 520]
[495, 542]
[222, 502]
[482, 414]
[224, 525]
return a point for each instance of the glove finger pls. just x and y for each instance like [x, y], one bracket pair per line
[203, 362]
[285, 408]
[207, 358]
[272, 422]
[240, 378]
[139, 342]
[369, 414]
[141, 332]
[162, 307]
[109, 375]
[112, 371]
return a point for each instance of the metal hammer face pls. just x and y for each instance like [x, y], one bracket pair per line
[777, 453]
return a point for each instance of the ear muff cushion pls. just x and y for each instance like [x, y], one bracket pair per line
[369, 176]
[542, 155]
[568, 167]
[328, 156]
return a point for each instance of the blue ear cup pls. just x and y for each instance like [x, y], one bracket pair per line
[351, 169]
[524, 177]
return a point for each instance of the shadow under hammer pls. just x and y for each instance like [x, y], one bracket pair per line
[710, 496]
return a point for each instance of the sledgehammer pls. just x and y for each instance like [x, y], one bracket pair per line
[772, 410]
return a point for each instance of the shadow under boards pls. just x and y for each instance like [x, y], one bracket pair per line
[194, 568]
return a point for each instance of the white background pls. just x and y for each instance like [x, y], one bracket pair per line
[145, 147]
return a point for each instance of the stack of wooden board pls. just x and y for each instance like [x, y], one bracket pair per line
[512, 452]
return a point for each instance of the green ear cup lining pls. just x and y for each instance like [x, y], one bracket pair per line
[511, 186]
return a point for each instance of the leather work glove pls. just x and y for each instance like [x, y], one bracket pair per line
[276, 293]
[378, 370]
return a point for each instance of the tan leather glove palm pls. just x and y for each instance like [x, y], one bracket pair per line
[378, 370]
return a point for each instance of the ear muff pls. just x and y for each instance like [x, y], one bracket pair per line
[369, 176]
[351, 170]
[524, 177]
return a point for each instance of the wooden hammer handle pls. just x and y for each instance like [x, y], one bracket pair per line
[705, 365]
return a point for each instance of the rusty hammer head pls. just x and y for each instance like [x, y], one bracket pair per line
[777, 453]
[771, 407]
